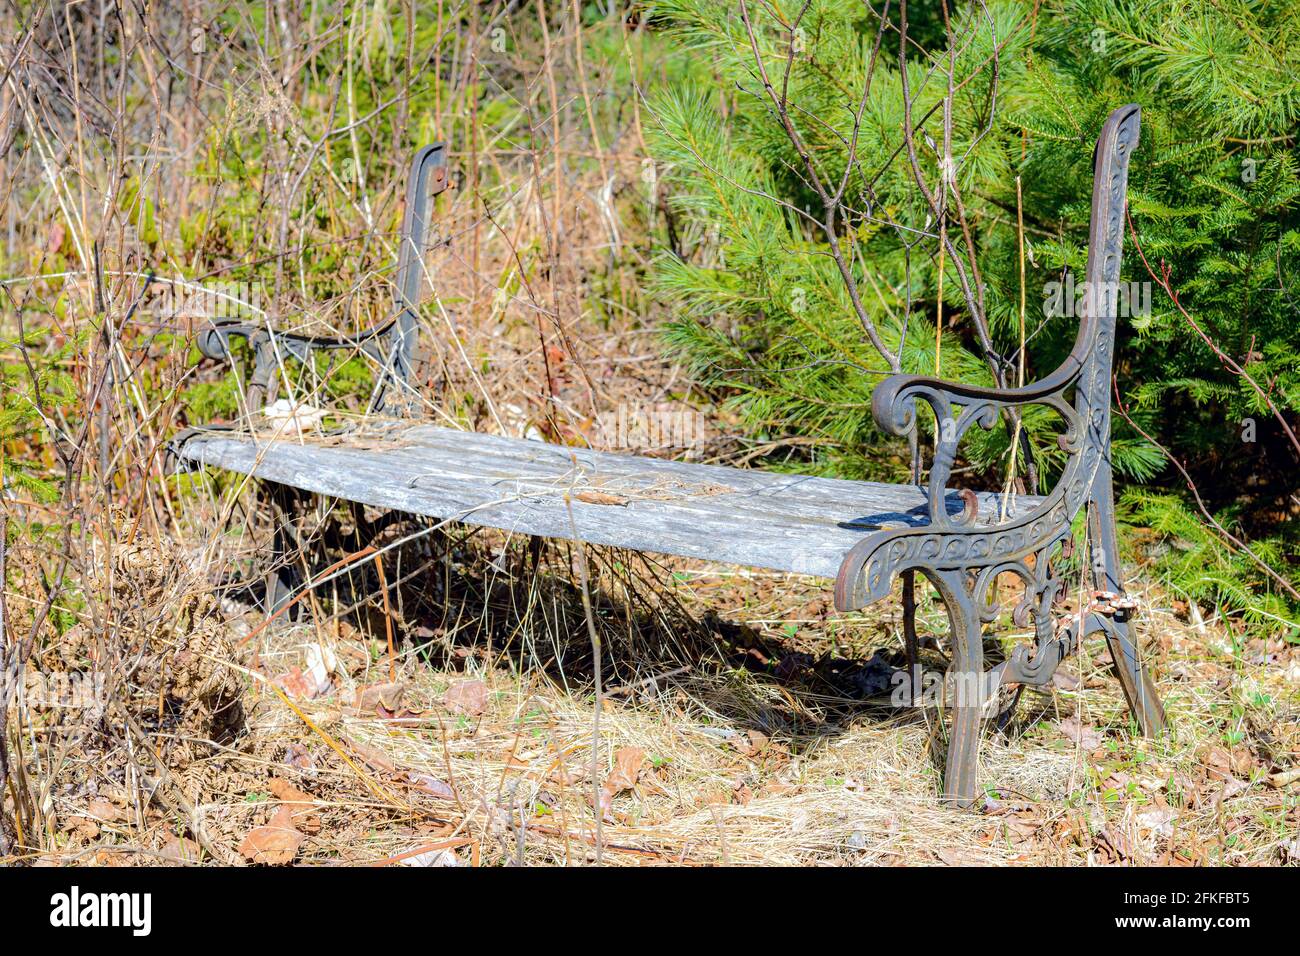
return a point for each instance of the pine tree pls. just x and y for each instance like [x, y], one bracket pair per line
[763, 314]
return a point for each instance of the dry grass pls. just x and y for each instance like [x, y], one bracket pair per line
[742, 764]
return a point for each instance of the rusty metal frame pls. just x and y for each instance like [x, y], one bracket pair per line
[963, 554]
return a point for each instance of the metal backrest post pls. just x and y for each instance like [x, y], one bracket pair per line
[427, 178]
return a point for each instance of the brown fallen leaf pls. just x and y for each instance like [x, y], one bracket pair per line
[1115, 842]
[82, 826]
[569, 775]
[1232, 787]
[467, 697]
[286, 792]
[385, 701]
[404, 713]
[1243, 762]
[1117, 780]
[352, 655]
[108, 857]
[1019, 830]
[1088, 738]
[1218, 762]
[600, 498]
[179, 849]
[952, 856]
[105, 811]
[274, 844]
[431, 784]
[376, 759]
[304, 811]
[388, 696]
[1284, 778]
[628, 762]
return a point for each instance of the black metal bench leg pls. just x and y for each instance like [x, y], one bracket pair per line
[966, 702]
[283, 577]
[1139, 691]
[911, 645]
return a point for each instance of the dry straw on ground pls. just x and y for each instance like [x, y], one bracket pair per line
[478, 752]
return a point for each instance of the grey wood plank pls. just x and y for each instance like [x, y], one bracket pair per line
[806, 495]
[738, 516]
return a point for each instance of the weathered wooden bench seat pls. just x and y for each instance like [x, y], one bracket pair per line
[862, 534]
[759, 519]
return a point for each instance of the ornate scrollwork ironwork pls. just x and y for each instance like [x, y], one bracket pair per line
[978, 548]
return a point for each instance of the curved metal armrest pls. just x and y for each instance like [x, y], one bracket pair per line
[956, 408]
[388, 342]
[1079, 391]
[960, 540]
[893, 400]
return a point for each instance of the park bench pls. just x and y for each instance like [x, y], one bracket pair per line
[861, 534]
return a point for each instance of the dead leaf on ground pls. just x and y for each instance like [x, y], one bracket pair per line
[388, 695]
[569, 774]
[953, 856]
[1115, 843]
[1234, 788]
[302, 806]
[1284, 778]
[468, 697]
[274, 844]
[751, 743]
[431, 784]
[1088, 738]
[179, 849]
[628, 762]
[1019, 830]
[383, 713]
[107, 857]
[105, 811]
[376, 759]
[82, 826]
[1218, 762]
